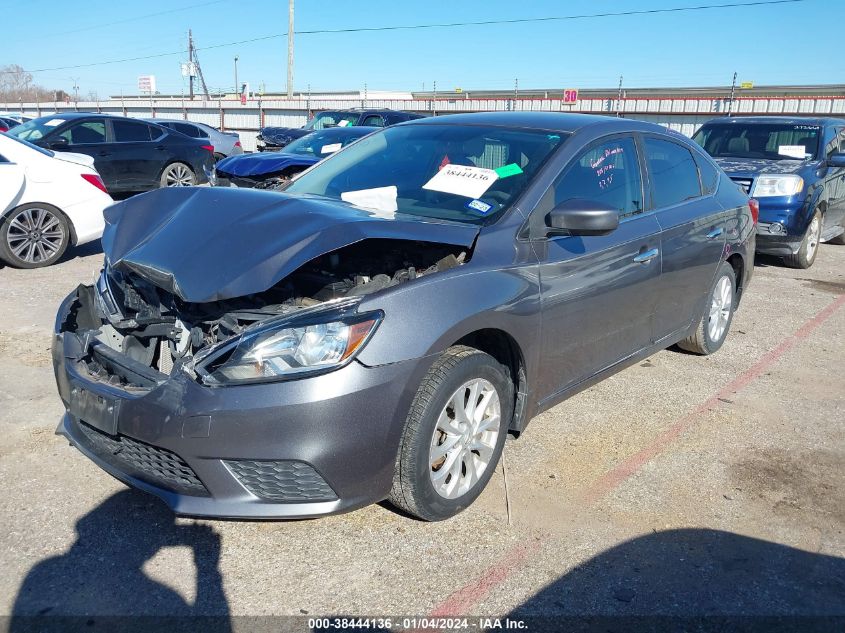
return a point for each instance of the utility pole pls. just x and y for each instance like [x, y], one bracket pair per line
[731, 100]
[619, 97]
[237, 85]
[190, 65]
[290, 49]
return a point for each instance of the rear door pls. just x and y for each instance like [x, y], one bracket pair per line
[139, 156]
[693, 231]
[598, 293]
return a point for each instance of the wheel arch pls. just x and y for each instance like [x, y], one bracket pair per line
[738, 264]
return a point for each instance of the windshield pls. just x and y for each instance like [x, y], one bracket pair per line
[325, 142]
[36, 129]
[760, 140]
[331, 119]
[464, 173]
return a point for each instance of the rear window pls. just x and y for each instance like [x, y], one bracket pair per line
[773, 141]
[709, 174]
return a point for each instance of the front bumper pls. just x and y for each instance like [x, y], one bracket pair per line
[300, 448]
[775, 241]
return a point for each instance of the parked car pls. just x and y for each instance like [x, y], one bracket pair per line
[795, 168]
[272, 170]
[18, 117]
[6, 123]
[129, 154]
[274, 138]
[48, 202]
[378, 328]
[225, 143]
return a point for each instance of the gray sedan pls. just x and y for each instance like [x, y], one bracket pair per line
[225, 143]
[376, 330]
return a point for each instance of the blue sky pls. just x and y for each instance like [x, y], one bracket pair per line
[780, 44]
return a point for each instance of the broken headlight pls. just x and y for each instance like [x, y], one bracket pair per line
[289, 349]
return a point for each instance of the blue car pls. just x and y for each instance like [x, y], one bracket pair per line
[271, 170]
[795, 168]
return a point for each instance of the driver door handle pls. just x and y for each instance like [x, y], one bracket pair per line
[104, 153]
[646, 256]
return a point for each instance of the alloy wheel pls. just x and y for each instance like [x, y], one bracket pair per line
[35, 235]
[464, 438]
[720, 309]
[178, 175]
[813, 238]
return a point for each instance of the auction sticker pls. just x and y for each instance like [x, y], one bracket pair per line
[330, 149]
[462, 180]
[54, 122]
[795, 151]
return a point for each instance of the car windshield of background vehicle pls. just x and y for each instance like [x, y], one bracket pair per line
[41, 150]
[757, 140]
[321, 144]
[468, 174]
[37, 128]
[331, 119]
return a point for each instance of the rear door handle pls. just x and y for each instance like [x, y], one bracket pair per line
[646, 256]
[160, 147]
[104, 153]
[712, 235]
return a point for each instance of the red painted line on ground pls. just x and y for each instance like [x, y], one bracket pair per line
[462, 600]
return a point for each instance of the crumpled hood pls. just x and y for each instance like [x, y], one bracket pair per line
[282, 135]
[210, 243]
[754, 166]
[259, 164]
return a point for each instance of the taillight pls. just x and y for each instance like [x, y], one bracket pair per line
[210, 148]
[237, 143]
[3, 128]
[754, 205]
[95, 180]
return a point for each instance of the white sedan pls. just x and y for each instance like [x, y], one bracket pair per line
[48, 201]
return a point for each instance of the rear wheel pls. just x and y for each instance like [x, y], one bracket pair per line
[178, 175]
[453, 435]
[33, 235]
[809, 248]
[715, 323]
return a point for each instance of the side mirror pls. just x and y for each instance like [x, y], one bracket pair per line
[836, 160]
[59, 143]
[582, 217]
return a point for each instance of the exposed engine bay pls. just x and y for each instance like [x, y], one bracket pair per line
[157, 330]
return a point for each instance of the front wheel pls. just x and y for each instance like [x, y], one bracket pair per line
[454, 434]
[715, 323]
[33, 235]
[178, 175]
[809, 248]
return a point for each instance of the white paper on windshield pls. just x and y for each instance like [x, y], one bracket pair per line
[330, 149]
[794, 151]
[380, 198]
[342, 123]
[54, 122]
[462, 180]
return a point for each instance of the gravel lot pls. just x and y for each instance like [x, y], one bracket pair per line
[682, 486]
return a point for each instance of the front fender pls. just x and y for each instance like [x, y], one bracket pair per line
[426, 316]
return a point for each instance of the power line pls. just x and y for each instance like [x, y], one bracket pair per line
[407, 27]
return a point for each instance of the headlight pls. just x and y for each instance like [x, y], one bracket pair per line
[288, 349]
[783, 185]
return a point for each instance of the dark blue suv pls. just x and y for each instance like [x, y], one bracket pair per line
[795, 168]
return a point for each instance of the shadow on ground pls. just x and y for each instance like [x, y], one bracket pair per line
[694, 580]
[101, 575]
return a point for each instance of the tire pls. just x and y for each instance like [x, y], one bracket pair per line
[219, 157]
[33, 235]
[417, 488]
[721, 304]
[809, 248]
[177, 175]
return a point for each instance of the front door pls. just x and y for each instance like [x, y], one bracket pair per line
[89, 137]
[598, 293]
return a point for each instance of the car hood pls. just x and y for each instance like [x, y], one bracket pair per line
[76, 159]
[754, 166]
[282, 135]
[207, 244]
[262, 163]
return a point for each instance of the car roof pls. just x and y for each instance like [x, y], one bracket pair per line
[547, 121]
[787, 120]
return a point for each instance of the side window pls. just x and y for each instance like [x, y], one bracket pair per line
[674, 177]
[709, 174]
[373, 120]
[837, 144]
[126, 131]
[608, 172]
[187, 129]
[85, 133]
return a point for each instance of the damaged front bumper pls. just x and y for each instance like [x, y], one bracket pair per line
[297, 448]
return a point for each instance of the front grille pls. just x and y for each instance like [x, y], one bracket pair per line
[154, 465]
[745, 183]
[285, 481]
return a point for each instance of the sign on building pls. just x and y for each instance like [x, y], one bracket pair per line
[570, 95]
[147, 83]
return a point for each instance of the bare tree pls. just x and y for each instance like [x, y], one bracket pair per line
[16, 85]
